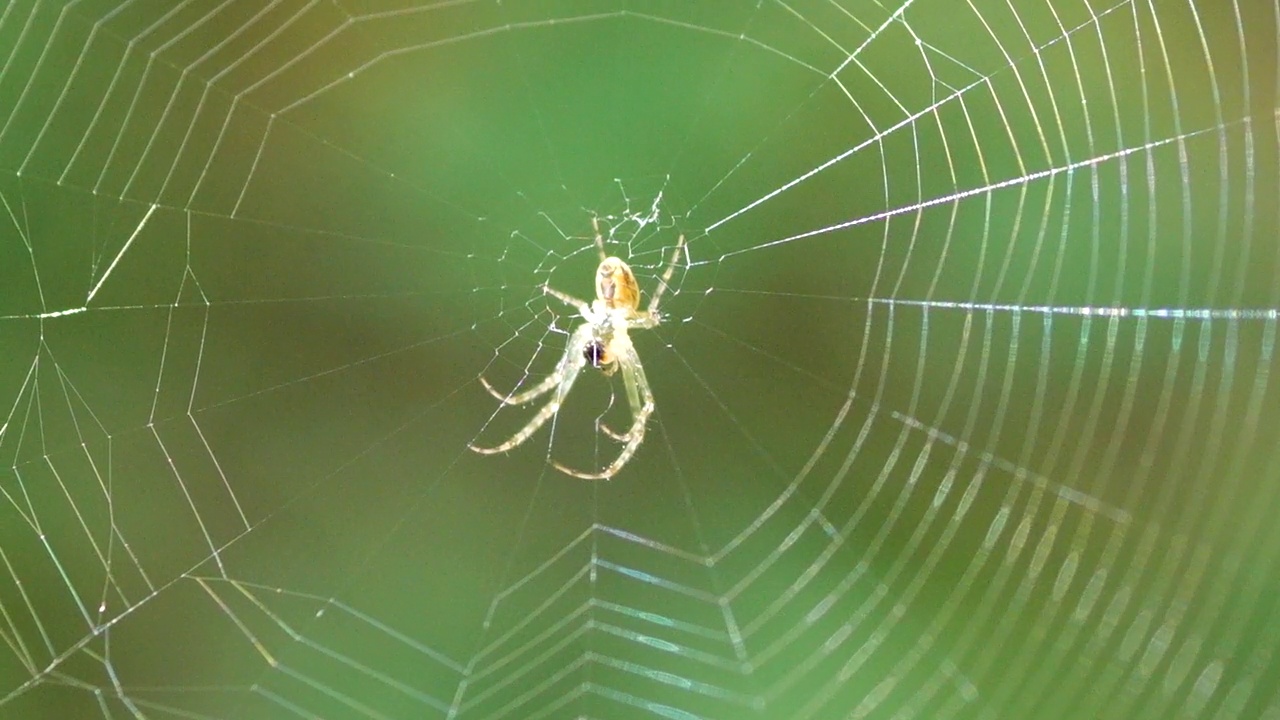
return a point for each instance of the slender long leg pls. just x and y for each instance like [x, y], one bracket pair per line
[629, 380]
[583, 308]
[520, 398]
[567, 371]
[666, 277]
[620, 437]
[633, 372]
[595, 225]
[549, 381]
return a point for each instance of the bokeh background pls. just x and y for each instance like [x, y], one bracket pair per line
[966, 385]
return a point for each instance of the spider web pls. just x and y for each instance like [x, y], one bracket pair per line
[965, 382]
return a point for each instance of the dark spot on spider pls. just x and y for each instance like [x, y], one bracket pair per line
[594, 353]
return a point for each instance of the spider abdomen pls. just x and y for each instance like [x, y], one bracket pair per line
[616, 284]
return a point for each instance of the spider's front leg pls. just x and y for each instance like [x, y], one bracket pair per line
[562, 380]
[641, 408]
[520, 398]
[614, 434]
[551, 380]
[631, 380]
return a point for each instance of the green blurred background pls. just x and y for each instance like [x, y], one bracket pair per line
[966, 397]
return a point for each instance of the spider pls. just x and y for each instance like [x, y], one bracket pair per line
[603, 342]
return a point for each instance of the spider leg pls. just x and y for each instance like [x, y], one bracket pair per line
[641, 409]
[615, 435]
[549, 381]
[521, 398]
[583, 308]
[666, 277]
[566, 372]
[631, 381]
[631, 395]
[595, 225]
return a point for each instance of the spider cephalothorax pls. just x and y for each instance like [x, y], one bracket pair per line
[601, 341]
[596, 353]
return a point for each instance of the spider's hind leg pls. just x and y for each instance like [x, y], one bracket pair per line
[664, 280]
[583, 308]
[595, 226]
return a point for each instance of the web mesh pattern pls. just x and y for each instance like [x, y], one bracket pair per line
[965, 382]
